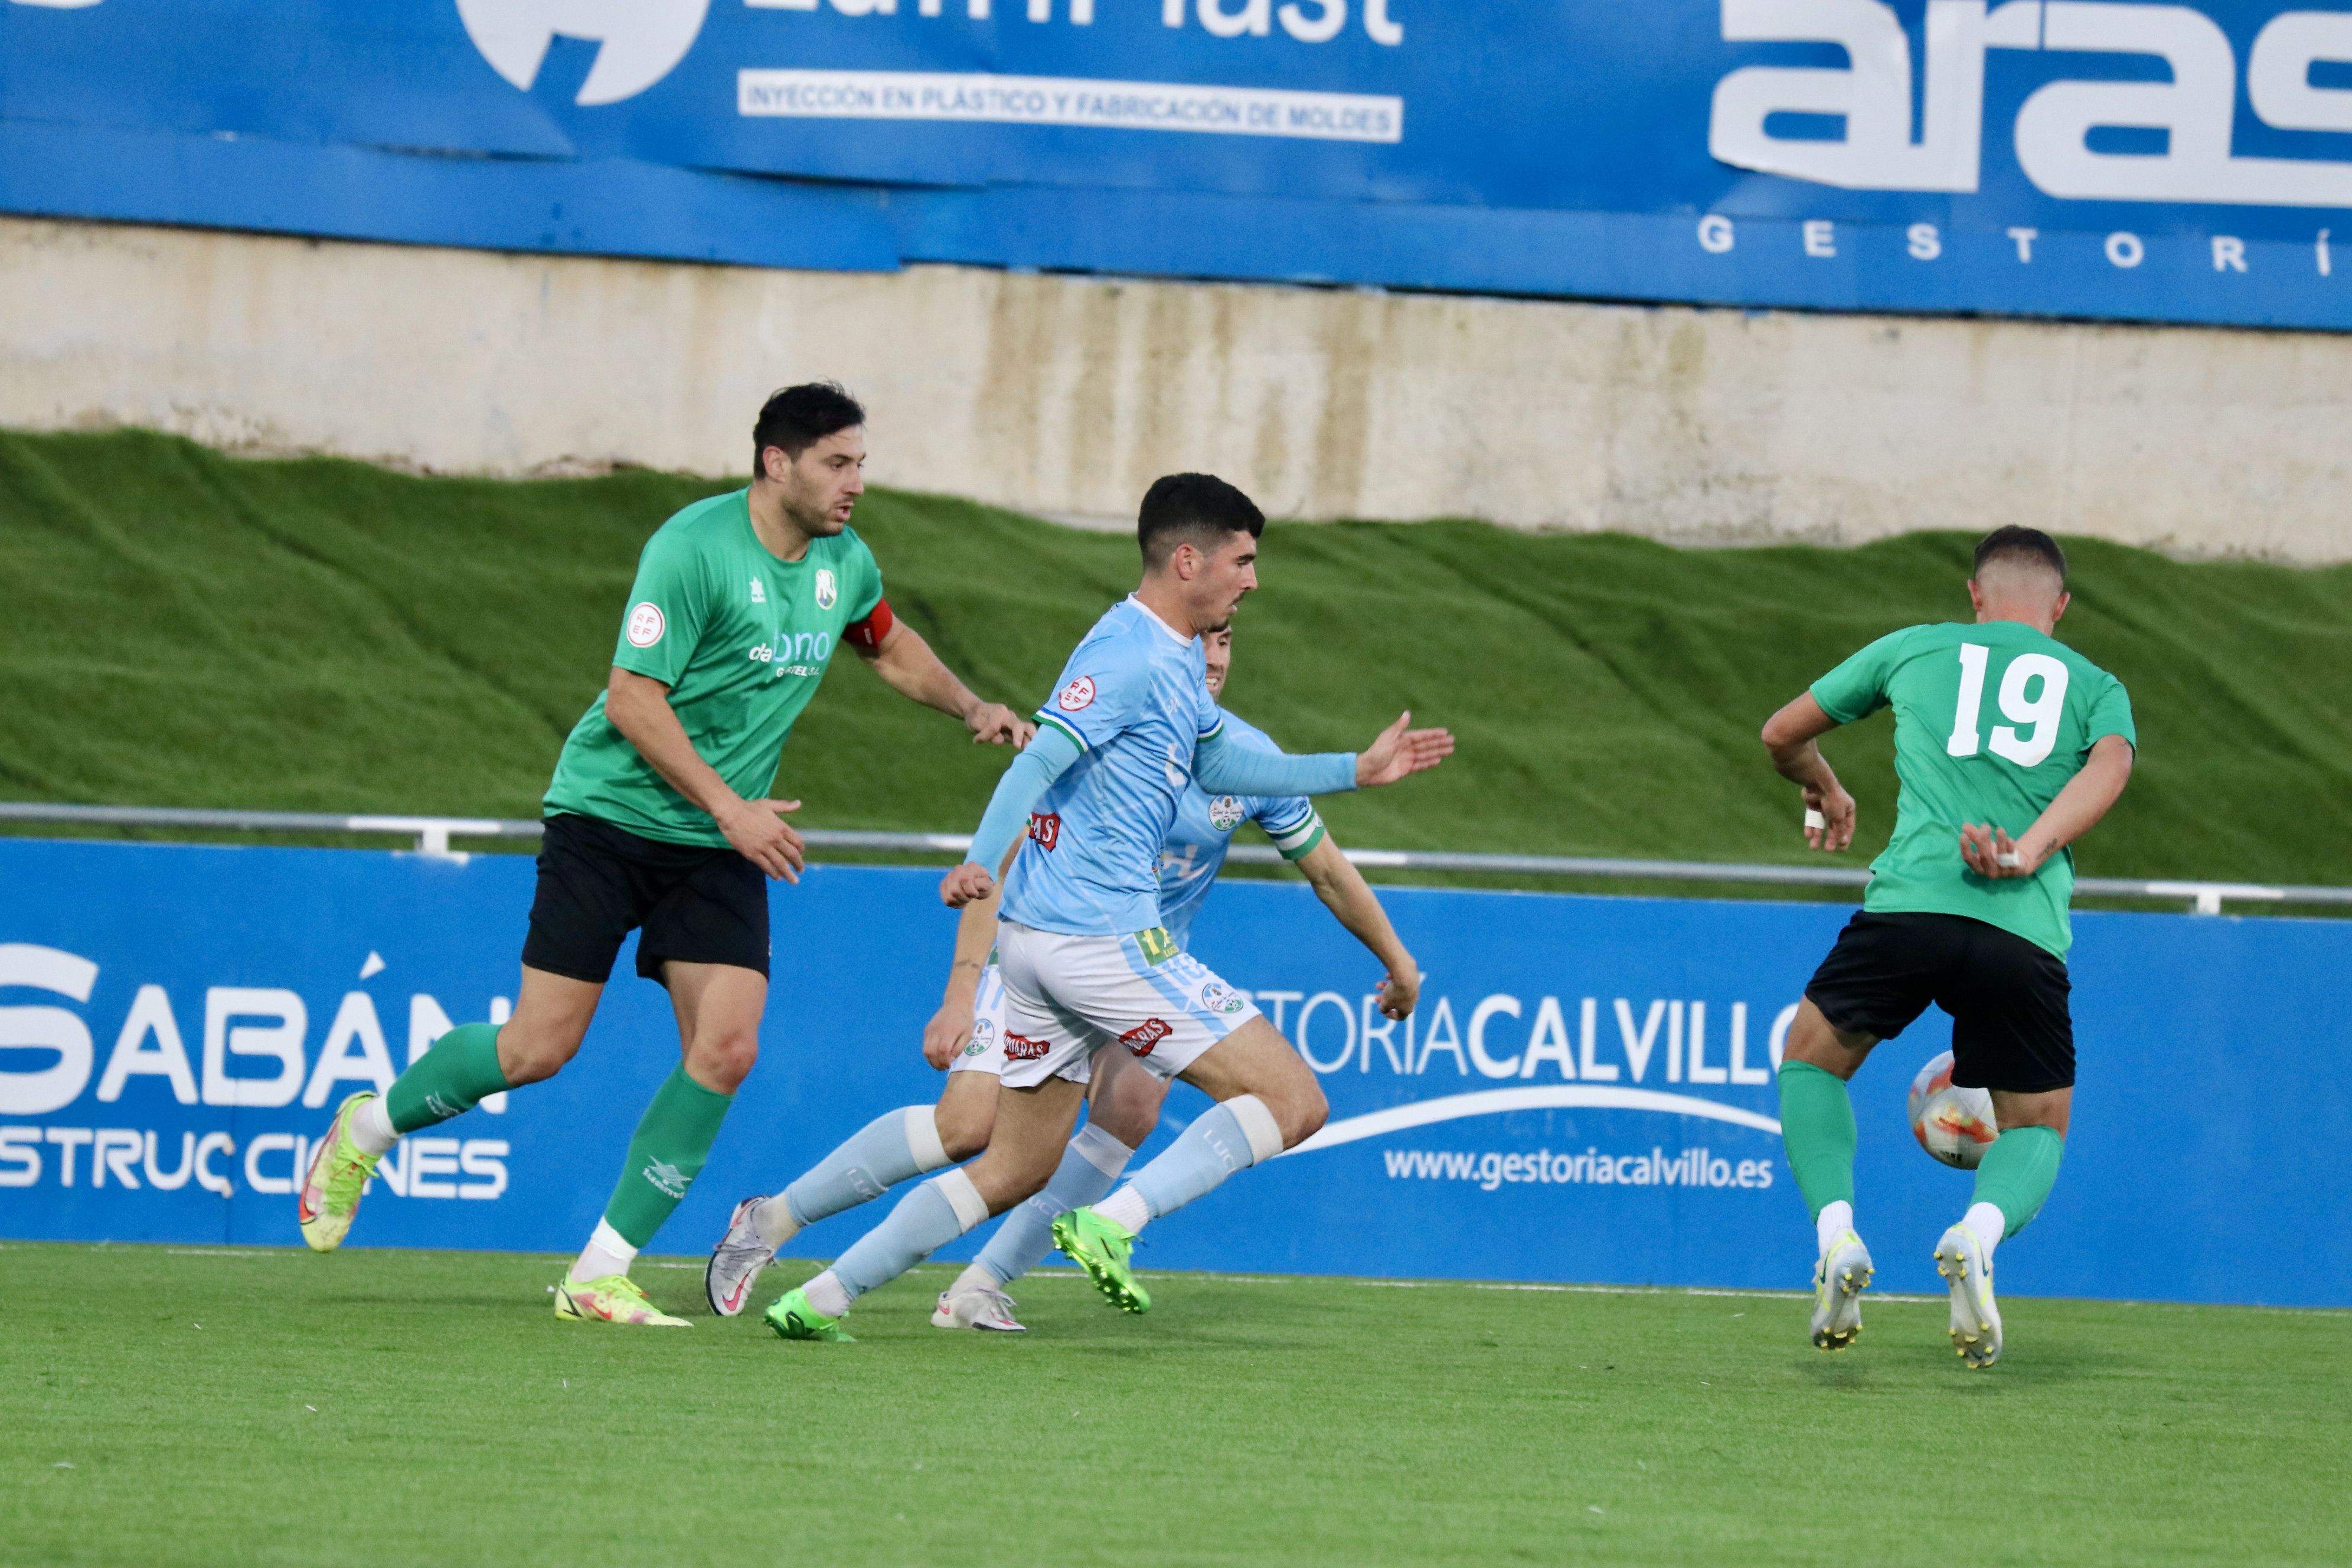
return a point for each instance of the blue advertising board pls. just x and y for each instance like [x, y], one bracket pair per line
[2099, 158]
[1585, 1093]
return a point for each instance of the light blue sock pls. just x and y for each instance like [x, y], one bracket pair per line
[1229, 1137]
[924, 1221]
[888, 1150]
[1089, 1168]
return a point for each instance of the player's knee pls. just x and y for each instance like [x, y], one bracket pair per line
[1300, 1112]
[534, 1055]
[964, 1131]
[1130, 1108]
[723, 1061]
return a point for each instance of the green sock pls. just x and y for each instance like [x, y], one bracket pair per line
[2018, 1172]
[448, 1080]
[673, 1138]
[1817, 1125]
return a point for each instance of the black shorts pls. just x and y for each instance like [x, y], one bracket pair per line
[597, 883]
[2012, 1029]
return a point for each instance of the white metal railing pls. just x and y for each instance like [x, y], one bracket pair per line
[433, 833]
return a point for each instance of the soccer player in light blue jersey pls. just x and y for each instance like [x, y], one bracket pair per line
[967, 1038]
[1085, 963]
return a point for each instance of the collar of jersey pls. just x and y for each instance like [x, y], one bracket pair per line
[1164, 626]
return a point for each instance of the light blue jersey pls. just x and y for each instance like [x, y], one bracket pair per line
[1135, 701]
[1205, 824]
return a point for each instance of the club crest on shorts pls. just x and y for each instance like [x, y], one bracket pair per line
[1146, 1034]
[1022, 1048]
[828, 588]
[646, 624]
[1224, 813]
[983, 1030]
[1219, 998]
[1077, 694]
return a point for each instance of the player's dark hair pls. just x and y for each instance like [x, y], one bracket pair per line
[2012, 542]
[1201, 509]
[798, 418]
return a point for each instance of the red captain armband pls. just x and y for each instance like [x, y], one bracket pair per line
[868, 632]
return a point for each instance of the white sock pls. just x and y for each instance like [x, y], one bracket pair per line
[774, 1221]
[371, 1127]
[1125, 1208]
[1835, 1220]
[1988, 1222]
[826, 1294]
[975, 1277]
[605, 1253]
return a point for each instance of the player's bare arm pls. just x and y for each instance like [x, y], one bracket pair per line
[906, 662]
[639, 708]
[1351, 898]
[2088, 797]
[950, 1030]
[1792, 736]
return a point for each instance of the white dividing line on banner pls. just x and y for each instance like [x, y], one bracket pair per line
[972, 97]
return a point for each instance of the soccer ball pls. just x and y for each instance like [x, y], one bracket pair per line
[1953, 1124]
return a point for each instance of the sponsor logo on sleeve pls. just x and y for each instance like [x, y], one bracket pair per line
[646, 624]
[1141, 1040]
[828, 588]
[1022, 1048]
[1077, 694]
[1225, 813]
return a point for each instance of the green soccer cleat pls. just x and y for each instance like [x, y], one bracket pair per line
[793, 1318]
[330, 1194]
[615, 1298]
[1101, 1247]
[1840, 1277]
[1976, 1320]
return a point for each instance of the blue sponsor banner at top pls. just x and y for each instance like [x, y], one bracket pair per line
[1585, 1093]
[2101, 158]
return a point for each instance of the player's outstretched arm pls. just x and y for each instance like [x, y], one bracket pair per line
[1225, 768]
[1990, 852]
[1792, 736]
[950, 1030]
[1046, 759]
[638, 705]
[906, 664]
[1399, 753]
[1348, 897]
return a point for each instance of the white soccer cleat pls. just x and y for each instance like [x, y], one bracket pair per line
[1976, 1321]
[736, 1261]
[977, 1307]
[1840, 1276]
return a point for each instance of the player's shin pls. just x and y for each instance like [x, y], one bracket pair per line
[1817, 1126]
[673, 1140]
[1090, 1166]
[1231, 1136]
[2013, 1181]
[924, 1221]
[877, 1157]
[458, 1073]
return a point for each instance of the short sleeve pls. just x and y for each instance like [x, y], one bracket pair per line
[2110, 715]
[1104, 690]
[667, 605]
[1858, 687]
[865, 576]
[1290, 821]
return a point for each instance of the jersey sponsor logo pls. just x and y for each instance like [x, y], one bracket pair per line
[1141, 1040]
[800, 653]
[646, 624]
[828, 588]
[1219, 998]
[1224, 813]
[638, 41]
[1046, 828]
[1174, 769]
[1158, 946]
[759, 592]
[1022, 1048]
[1077, 694]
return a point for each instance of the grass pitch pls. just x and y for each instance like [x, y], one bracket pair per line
[179, 1405]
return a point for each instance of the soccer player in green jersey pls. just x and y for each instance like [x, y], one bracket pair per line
[2008, 745]
[658, 820]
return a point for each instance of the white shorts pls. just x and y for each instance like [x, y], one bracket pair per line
[1066, 997]
[986, 1052]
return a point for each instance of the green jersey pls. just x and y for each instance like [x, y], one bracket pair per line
[1990, 722]
[740, 637]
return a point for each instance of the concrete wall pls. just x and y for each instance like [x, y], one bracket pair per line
[1067, 395]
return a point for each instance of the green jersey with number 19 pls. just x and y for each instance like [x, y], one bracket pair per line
[1990, 723]
[741, 638]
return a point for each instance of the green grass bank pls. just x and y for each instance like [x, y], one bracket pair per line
[187, 628]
